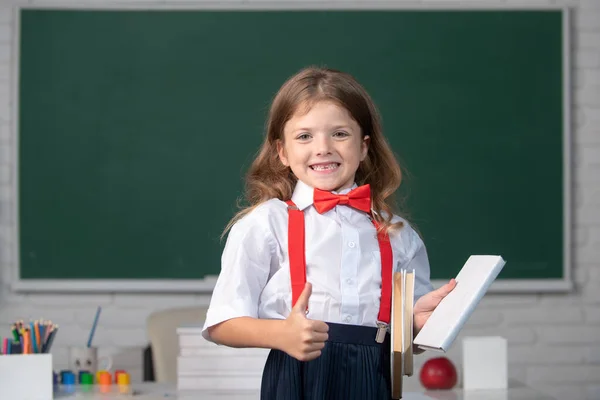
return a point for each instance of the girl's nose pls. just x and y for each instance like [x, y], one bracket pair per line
[323, 145]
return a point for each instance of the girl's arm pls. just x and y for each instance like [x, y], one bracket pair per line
[297, 335]
[231, 319]
[249, 332]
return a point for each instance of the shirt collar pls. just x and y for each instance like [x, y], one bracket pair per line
[303, 194]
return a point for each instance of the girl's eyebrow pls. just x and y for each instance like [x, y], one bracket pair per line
[333, 128]
[336, 127]
[301, 130]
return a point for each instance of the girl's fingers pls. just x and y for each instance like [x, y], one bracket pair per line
[320, 326]
[312, 355]
[447, 288]
[315, 346]
[319, 337]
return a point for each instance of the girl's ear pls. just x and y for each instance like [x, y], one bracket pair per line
[364, 147]
[282, 153]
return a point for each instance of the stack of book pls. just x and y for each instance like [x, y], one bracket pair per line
[203, 365]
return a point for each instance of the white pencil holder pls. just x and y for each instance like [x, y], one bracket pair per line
[26, 376]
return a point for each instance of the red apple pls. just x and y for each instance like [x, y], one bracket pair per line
[438, 373]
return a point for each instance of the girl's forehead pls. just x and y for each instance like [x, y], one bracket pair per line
[306, 106]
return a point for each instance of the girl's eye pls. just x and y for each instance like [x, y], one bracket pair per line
[304, 136]
[341, 134]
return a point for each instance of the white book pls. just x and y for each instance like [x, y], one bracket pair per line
[219, 365]
[222, 373]
[223, 351]
[195, 341]
[193, 329]
[446, 321]
[218, 383]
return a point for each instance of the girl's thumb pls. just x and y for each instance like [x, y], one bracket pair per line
[302, 302]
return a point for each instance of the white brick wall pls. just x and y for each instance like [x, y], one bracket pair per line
[554, 339]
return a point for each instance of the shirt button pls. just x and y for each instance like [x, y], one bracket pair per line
[349, 281]
[348, 318]
[351, 244]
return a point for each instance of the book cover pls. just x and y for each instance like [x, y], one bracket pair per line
[446, 321]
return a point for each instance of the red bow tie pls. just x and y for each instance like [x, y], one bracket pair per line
[359, 198]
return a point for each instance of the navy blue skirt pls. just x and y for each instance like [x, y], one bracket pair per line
[352, 366]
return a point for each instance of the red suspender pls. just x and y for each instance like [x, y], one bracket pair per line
[385, 249]
[296, 252]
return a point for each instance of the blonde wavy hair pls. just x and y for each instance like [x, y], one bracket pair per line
[268, 178]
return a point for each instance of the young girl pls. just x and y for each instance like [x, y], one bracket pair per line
[307, 268]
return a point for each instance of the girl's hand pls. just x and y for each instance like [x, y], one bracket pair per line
[427, 303]
[304, 338]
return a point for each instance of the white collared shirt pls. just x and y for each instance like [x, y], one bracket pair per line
[342, 262]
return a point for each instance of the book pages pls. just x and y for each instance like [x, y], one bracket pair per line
[401, 330]
[408, 322]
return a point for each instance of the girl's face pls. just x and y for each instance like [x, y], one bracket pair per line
[323, 147]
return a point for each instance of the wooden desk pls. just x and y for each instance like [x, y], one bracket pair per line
[153, 391]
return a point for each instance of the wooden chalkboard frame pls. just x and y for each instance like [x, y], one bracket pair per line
[207, 284]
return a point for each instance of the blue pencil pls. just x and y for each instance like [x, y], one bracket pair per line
[34, 339]
[89, 343]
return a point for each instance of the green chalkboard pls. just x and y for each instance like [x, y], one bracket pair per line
[135, 128]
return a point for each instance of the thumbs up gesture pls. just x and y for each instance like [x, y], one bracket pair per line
[304, 337]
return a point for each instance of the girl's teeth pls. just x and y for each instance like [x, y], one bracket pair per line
[324, 167]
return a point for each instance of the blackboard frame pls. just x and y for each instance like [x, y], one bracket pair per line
[206, 285]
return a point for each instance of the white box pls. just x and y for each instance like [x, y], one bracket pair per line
[487, 394]
[26, 376]
[485, 364]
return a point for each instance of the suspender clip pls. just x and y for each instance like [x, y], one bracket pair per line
[382, 329]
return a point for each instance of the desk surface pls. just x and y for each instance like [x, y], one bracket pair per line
[153, 391]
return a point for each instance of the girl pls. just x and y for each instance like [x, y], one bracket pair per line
[306, 269]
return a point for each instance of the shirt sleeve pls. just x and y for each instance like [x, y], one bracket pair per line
[245, 267]
[420, 263]
[415, 258]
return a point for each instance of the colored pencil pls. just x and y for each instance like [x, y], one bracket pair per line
[89, 343]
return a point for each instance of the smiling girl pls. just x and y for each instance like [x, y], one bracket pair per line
[306, 270]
